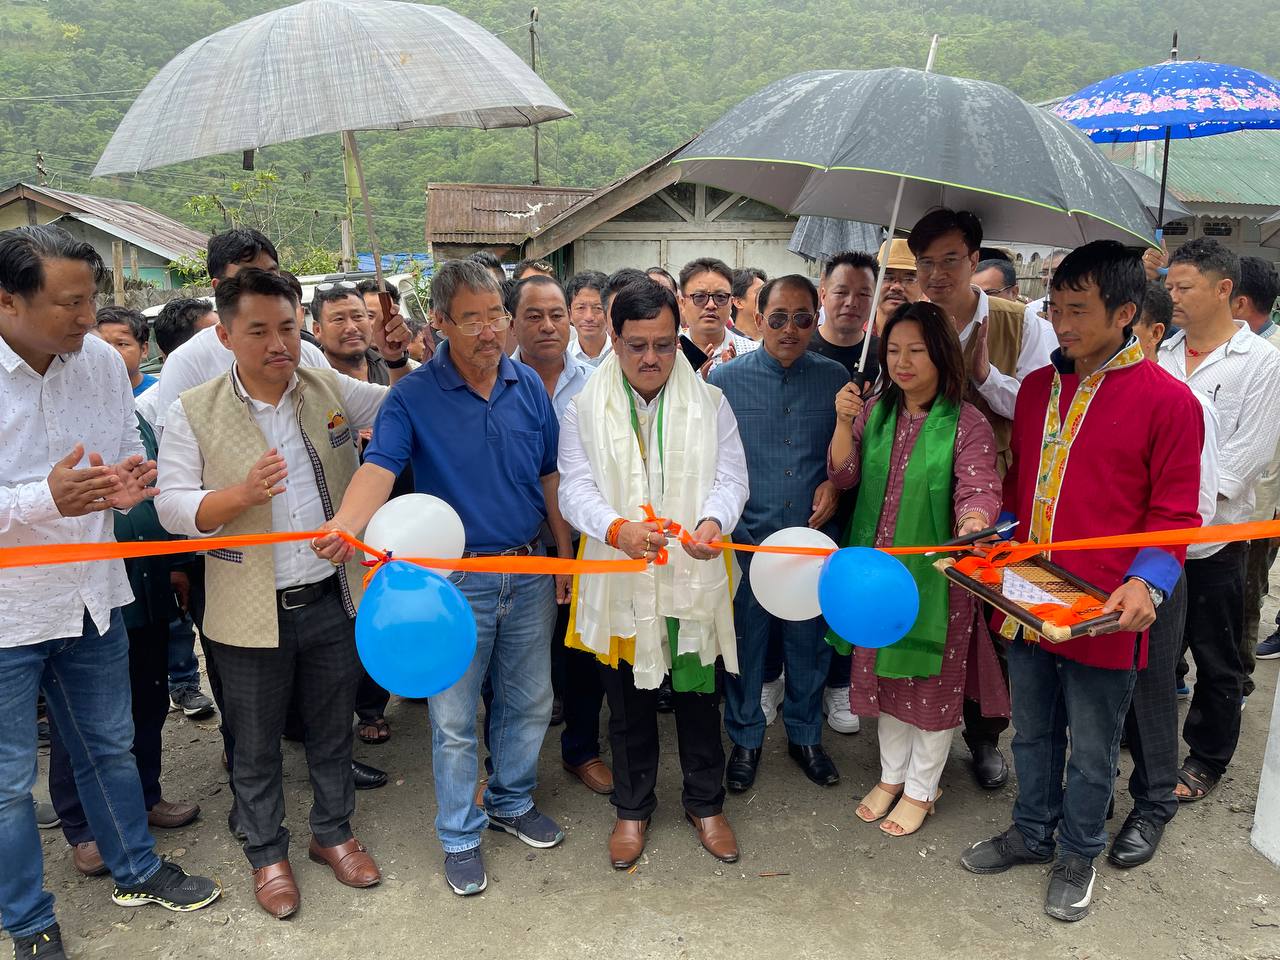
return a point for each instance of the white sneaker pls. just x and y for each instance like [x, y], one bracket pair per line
[835, 704]
[771, 694]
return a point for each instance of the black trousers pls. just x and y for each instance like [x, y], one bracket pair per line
[316, 657]
[371, 698]
[633, 738]
[1151, 725]
[1215, 626]
[977, 728]
[575, 679]
[149, 691]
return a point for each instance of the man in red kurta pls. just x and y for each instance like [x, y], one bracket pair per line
[1104, 442]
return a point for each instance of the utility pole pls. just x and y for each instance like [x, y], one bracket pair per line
[533, 65]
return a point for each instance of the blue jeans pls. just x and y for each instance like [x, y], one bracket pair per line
[514, 616]
[184, 669]
[807, 656]
[1055, 699]
[85, 681]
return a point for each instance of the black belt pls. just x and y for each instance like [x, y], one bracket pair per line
[294, 598]
[524, 550]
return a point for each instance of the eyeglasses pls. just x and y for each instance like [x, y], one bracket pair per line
[335, 285]
[998, 291]
[700, 299]
[638, 348]
[779, 320]
[474, 328]
[945, 265]
[905, 280]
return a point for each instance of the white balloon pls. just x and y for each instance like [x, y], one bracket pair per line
[417, 525]
[787, 586]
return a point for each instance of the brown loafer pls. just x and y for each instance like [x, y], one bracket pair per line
[626, 842]
[169, 815]
[716, 836]
[86, 858]
[276, 890]
[350, 862]
[594, 774]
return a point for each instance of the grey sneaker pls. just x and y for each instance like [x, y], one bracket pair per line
[465, 872]
[534, 828]
[999, 853]
[191, 702]
[46, 817]
[171, 888]
[1070, 888]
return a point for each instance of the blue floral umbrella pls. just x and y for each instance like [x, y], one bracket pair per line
[1177, 99]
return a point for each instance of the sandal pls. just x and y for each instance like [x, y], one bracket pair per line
[1197, 780]
[909, 816]
[878, 801]
[374, 731]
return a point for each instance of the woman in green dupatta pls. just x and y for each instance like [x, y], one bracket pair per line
[925, 463]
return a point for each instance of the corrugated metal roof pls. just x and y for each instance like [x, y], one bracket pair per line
[493, 213]
[1232, 168]
[139, 225]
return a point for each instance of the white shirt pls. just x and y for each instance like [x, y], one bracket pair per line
[1038, 341]
[575, 349]
[84, 398]
[1208, 462]
[740, 345]
[569, 384]
[201, 359]
[586, 509]
[1267, 492]
[1241, 379]
[181, 465]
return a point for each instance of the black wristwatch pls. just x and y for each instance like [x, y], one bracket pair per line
[397, 364]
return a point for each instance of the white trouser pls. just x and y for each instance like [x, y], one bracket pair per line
[912, 756]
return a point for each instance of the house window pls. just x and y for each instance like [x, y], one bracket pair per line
[1217, 228]
[1179, 228]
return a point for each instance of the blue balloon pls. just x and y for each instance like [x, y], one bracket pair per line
[415, 632]
[867, 596]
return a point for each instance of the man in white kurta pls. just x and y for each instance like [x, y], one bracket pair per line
[647, 430]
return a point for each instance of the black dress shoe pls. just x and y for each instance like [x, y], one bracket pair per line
[667, 698]
[815, 763]
[367, 777]
[989, 767]
[1136, 842]
[740, 771]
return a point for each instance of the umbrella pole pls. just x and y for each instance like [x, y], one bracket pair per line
[893, 227]
[1164, 163]
[384, 298]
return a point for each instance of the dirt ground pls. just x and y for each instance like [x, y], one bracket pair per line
[813, 882]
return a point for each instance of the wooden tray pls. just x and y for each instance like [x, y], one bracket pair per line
[1061, 584]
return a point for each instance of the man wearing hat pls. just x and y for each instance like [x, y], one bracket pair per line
[900, 283]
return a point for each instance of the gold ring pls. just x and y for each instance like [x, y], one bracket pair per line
[270, 493]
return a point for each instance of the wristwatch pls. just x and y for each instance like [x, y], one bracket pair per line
[1157, 595]
[397, 364]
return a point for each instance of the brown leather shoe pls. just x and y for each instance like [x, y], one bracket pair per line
[350, 862]
[594, 774]
[626, 842]
[716, 836]
[86, 858]
[169, 815]
[276, 890]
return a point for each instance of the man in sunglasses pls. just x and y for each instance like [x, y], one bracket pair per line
[481, 434]
[706, 296]
[647, 430]
[782, 396]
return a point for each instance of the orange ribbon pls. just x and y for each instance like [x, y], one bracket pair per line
[1001, 555]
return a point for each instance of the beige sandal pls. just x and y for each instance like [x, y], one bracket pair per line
[909, 816]
[878, 801]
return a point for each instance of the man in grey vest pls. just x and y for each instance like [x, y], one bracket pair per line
[271, 446]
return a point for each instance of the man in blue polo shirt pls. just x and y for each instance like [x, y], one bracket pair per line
[481, 434]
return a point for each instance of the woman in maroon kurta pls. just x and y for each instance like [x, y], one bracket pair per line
[918, 715]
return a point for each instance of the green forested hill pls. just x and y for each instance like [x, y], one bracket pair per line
[641, 75]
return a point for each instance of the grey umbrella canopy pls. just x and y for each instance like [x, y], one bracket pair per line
[835, 142]
[821, 238]
[327, 66]
[1148, 191]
